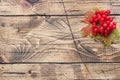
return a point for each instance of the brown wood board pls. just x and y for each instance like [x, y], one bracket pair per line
[41, 40]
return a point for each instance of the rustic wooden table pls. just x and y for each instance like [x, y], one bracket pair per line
[41, 40]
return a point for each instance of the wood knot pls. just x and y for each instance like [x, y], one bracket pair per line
[32, 73]
[32, 1]
[3, 24]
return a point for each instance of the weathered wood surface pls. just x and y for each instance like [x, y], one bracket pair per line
[37, 39]
[55, 7]
[94, 71]
[49, 39]
[40, 32]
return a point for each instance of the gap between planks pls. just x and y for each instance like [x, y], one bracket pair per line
[60, 71]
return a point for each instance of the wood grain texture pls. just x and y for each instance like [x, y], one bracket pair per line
[51, 39]
[55, 7]
[94, 49]
[37, 39]
[94, 71]
[76, 7]
[43, 40]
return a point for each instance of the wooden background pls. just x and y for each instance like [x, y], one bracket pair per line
[41, 40]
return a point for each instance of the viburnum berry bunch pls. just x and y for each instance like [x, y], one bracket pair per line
[100, 26]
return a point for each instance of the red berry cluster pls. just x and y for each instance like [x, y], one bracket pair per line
[102, 23]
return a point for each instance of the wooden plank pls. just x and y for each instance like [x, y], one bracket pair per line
[23, 7]
[88, 71]
[27, 35]
[49, 39]
[36, 39]
[80, 7]
[55, 7]
[16, 45]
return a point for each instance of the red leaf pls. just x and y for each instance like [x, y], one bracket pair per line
[85, 20]
[86, 30]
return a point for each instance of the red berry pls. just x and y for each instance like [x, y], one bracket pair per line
[95, 30]
[101, 29]
[97, 12]
[102, 12]
[91, 20]
[110, 19]
[114, 26]
[104, 25]
[101, 19]
[106, 33]
[94, 23]
[114, 23]
[107, 11]
[103, 15]
[98, 16]
[108, 28]
[94, 26]
[95, 19]
[94, 16]
[101, 22]
[111, 27]
[107, 17]
[108, 22]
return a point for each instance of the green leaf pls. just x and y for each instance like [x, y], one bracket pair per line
[105, 40]
[115, 34]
